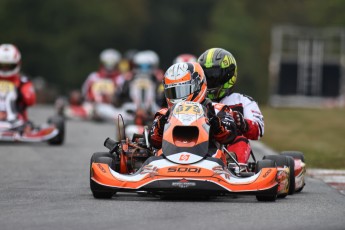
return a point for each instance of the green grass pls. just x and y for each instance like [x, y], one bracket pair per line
[318, 133]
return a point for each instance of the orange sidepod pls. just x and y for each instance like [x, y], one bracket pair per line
[102, 175]
[266, 180]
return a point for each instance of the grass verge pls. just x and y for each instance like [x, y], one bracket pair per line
[318, 133]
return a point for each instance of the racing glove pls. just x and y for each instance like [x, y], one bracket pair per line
[214, 120]
[160, 124]
[221, 122]
[241, 123]
[222, 125]
[227, 121]
[157, 129]
[161, 121]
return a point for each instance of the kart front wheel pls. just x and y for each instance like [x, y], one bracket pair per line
[98, 191]
[59, 123]
[295, 155]
[286, 161]
[260, 165]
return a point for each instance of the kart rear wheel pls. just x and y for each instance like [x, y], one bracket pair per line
[59, 122]
[287, 161]
[267, 163]
[295, 155]
[97, 191]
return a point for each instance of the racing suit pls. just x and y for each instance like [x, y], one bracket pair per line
[222, 125]
[26, 95]
[101, 74]
[254, 124]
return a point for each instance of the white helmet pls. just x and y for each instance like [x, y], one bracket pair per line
[10, 60]
[110, 58]
[146, 57]
[185, 58]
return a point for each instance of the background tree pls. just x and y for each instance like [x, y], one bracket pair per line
[61, 39]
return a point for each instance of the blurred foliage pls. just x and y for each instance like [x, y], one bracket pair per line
[61, 39]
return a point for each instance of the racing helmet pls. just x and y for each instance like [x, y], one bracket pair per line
[109, 58]
[184, 81]
[10, 60]
[153, 57]
[185, 58]
[220, 70]
[146, 60]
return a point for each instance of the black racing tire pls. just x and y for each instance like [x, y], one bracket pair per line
[294, 154]
[288, 161]
[59, 122]
[267, 163]
[292, 184]
[106, 158]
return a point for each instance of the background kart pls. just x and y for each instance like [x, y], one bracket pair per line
[184, 165]
[107, 104]
[52, 132]
[13, 128]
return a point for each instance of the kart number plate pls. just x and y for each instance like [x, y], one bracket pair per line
[103, 87]
[188, 108]
[6, 87]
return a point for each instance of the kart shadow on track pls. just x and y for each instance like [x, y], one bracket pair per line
[133, 197]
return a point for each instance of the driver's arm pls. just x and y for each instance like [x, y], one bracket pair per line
[156, 131]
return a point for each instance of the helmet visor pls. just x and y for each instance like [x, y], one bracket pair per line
[180, 91]
[7, 66]
[214, 77]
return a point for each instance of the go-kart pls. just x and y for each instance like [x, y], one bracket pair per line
[14, 129]
[185, 165]
[52, 132]
[101, 109]
[141, 96]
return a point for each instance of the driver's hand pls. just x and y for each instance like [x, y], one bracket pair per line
[241, 123]
[162, 120]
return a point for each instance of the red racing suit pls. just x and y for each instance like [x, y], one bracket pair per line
[254, 120]
[26, 95]
[101, 74]
[224, 134]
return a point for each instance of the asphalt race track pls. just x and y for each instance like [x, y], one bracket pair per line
[45, 187]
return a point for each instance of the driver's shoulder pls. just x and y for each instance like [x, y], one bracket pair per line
[237, 98]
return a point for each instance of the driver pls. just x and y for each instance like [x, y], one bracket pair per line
[220, 70]
[109, 60]
[187, 82]
[10, 64]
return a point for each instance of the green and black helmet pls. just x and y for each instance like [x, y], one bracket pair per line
[221, 72]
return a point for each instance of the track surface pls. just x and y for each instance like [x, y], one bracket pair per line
[44, 187]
